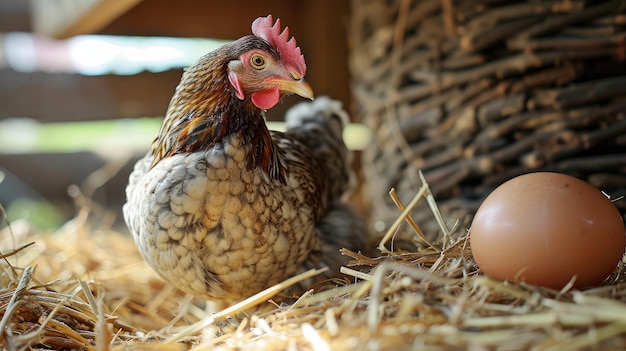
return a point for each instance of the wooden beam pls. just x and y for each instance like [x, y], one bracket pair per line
[50, 97]
[14, 16]
[200, 18]
[63, 19]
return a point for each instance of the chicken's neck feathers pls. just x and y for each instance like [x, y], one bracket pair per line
[205, 110]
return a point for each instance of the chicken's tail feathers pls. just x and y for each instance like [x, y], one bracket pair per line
[319, 125]
[322, 109]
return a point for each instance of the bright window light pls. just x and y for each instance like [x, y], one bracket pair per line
[103, 54]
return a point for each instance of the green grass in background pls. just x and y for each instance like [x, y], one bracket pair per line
[20, 135]
[25, 135]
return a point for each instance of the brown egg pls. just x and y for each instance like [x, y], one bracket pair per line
[545, 228]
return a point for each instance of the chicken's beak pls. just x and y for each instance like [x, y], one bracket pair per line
[300, 86]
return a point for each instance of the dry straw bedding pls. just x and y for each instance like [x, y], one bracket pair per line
[83, 287]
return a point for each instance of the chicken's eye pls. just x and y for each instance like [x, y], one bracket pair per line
[257, 61]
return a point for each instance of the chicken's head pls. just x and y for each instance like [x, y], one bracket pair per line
[270, 67]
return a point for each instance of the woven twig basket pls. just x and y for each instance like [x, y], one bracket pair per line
[473, 93]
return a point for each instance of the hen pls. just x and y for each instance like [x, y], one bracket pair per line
[223, 208]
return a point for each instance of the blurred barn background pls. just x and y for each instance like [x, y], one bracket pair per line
[469, 92]
[114, 64]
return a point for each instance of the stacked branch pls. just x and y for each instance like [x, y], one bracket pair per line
[473, 93]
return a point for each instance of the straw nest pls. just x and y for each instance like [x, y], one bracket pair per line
[85, 287]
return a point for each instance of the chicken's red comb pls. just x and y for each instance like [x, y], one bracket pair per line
[263, 27]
